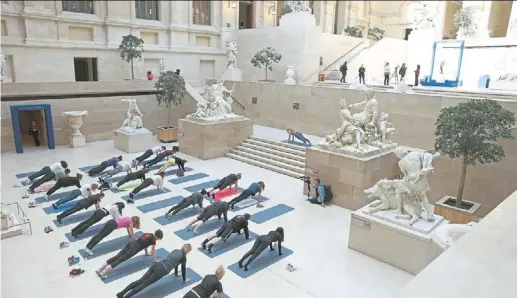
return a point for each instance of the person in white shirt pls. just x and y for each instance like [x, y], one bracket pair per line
[84, 191]
[54, 174]
[155, 150]
[156, 180]
[114, 210]
[47, 170]
[387, 72]
[121, 167]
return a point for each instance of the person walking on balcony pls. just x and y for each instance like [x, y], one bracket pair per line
[343, 69]
[387, 74]
[362, 70]
[417, 74]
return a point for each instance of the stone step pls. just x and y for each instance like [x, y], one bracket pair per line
[287, 166]
[294, 160]
[275, 146]
[251, 146]
[278, 168]
[285, 145]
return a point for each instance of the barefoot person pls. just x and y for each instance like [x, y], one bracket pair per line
[119, 168]
[62, 165]
[155, 150]
[114, 210]
[251, 191]
[156, 180]
[224, 183]
[82, 204]
[130, 250]
[111, 225]
[261, 243]
[103, 165]
[140, 174]
[235, 225]
[65, 182]
[218, 208]
[55, 174]
[159, 270]
[193, 200]
[84, 192]
[174, 160]
[296, 134]
[211, 283]
[159, 157]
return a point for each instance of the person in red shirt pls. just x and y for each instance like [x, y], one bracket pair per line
[150, 76]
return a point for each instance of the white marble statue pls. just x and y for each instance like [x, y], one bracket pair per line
[298, 6]
[162, 65]
[134, 116]
[217, 104]
[7, 218]
[406, 196]
[231, 53]
[425, 15]
[506, 68]
[448, 234]
[349, 133]
[402, 87]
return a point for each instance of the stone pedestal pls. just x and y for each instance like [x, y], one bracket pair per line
[349, 175]
[133, 141]
[234, 75]
[301, 20]
[381, 237]
[77, 141]
[212, 139]
[75, 119]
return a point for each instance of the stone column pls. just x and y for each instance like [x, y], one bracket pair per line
[76, 121]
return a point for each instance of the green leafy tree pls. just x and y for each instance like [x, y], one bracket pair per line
[464, 19]
[375, 33]
[353, 32]
[170, 90]
[130, 49]
[266, 58]
[470, 131]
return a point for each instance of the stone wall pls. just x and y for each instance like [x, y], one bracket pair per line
[413, 115]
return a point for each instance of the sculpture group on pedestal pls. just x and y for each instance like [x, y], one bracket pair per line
[406, 196]
[298, 6]
[217, 104]
[134, 116]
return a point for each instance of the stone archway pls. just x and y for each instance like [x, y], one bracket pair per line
[499, 17]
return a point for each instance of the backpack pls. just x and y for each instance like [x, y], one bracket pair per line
[328, 192]
[342, 68]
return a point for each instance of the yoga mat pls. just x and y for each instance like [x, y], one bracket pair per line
[169, 284]
[248, 203]
[106, 247]
[264, 260]
[74, 218]
[174, 171]
[43, 188]
[53, 197]
[167, 203]
[135, 264]
[210, 225]
[296, 143]
[115, 179]
[87, 168]
[60, 208]
[204, 185]
[92, 231]
[25, 175]
[188, 178]
[227, 192]
[147, 194]
[270, 213]
[234, 241]
[185, 213]
[130, 185]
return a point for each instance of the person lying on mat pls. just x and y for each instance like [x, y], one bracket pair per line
[119, 168]
[235, 225]
[155, 150]
[82, 204]
[251, 191]
[156, 180]
[261, 243]
[159, 157]
[296, 134]
[192, 200]
[159, 270]
[107, 163]
[129, 223]
[174, 160]
[62, 165]
[55, 174]
[210, 284]
[224, 183]
[84, 192]
[218, 208]
[140, 174]
[130, 250]
[114, 210]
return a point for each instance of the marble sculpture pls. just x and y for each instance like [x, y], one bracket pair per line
[217, 104]
[162, 65]
[298, 6]
[406, 196]
[134, 116]
[424, 16]
[402, 87]
[448, 234]
[231, 53]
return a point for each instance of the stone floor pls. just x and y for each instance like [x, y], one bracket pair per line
[318, 236]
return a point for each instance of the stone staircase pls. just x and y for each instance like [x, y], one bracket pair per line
[278, 157]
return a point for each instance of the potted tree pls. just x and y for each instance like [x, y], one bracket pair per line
[464, 21]
[353, 32]
[170, 90]
[470, 131]
[375, 33]
[265, 58]
[131, 48]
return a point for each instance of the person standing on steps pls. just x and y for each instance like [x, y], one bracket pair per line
[362, 72]
[343, 69]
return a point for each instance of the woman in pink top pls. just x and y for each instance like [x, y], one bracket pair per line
[111, 225]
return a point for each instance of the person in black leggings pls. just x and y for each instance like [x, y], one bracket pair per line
[133, 176]
[112, 225]
[82, 204]
[159, 270]
[130, 250]
[261, 243]
[234, 225]
[58, 173]
[103, 165]
[251, 191]
[47, 169]
[159, 157]
[115, 211]
[224, 183]
[192, 200]
[155, 150]
[211, 283]
[218, 208]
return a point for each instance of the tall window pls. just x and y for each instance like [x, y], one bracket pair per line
[202, 12]
[147, 10]
[78, 6]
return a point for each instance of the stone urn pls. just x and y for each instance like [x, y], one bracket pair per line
[75, 119]
[290, 73]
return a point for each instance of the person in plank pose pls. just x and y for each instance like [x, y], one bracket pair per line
[114, 210]
[261, 243]
[159, 157]
[140, 174]
[159, 270]
[156, 180]
[224, 183]
[211, 283]
[55, 174]
[65, 181]
[296, 134]
[218, 208]
[82, 204]
[111, 225]
[130, 250]
[235, 225]
[251, 191]
[103, 165]
[174, 160]
[119, 168]
[84, 191]
[155, 150]
[47, 170]
[192, 200]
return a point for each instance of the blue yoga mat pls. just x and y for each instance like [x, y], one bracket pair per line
[106, 247]
[87, 168]
[234, 241]
[188, 178]
[169, 285]
[53, 197]
[115, 179]
[167, 203]
[270, 213]
[60, 208]
[296, 143]
[248, 203]
[174, 171]
[210, 225]
[204, 185]
[74, 218]
[147, 194]
[135, 264]
[92, 231]
[25, 175]
[264, 260]
[185, 213]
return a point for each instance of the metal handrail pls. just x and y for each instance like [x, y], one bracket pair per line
[23, 217]
[233, 132]
[238, 103]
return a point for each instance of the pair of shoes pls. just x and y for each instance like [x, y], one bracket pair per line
[33, 204]
[290, 267]
[25, 195]
[203, 244]
[88, 252]
[210, 248]
[48, 229]
[64, 244]
[259, 205]
[58, 219]
[73, 260]
[129, 201]
[76, 272]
